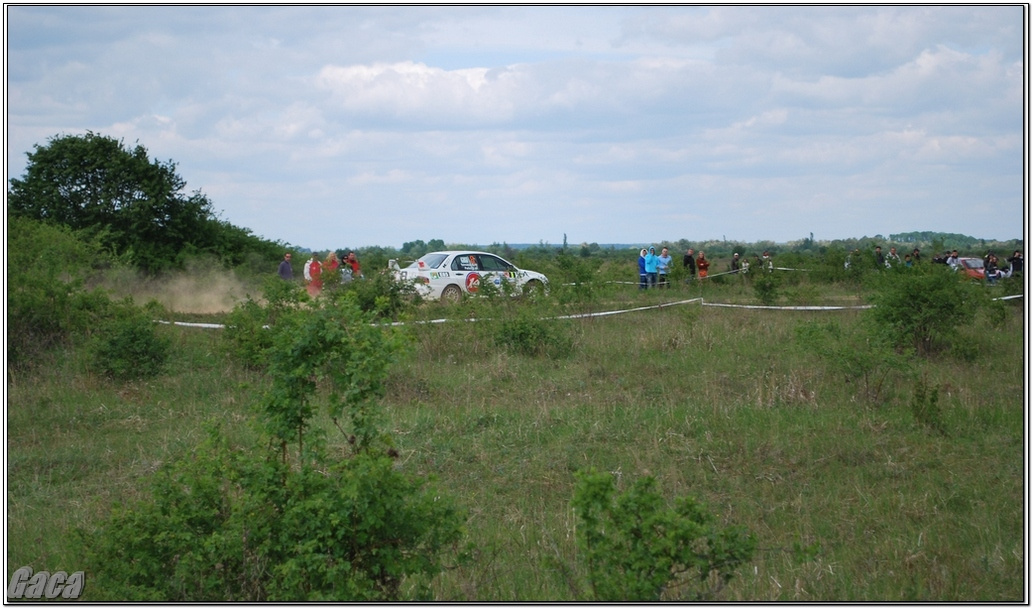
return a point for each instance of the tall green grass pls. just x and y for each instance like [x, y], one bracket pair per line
[850, 499]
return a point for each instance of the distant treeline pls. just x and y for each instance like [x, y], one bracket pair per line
[135, 211]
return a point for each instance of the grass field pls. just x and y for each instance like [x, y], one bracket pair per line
[851, 498]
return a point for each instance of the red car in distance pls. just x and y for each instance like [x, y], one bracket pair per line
[972, 267]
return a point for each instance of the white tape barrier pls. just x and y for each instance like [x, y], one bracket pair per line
[571, 316]
[192, 324]
[607, 313]
[790, 308]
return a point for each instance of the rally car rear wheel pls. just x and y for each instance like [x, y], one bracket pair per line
[451, 294]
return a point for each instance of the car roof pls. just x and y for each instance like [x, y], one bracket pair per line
[451, 252]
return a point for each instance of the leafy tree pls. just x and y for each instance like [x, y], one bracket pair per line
[135, 207]
[92, 183]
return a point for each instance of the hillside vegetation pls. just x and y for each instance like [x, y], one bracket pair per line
[865, 465]
[821, 431]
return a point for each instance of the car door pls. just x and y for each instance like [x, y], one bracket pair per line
[498, 272]
[466, 267]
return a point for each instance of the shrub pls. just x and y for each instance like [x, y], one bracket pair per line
[246, 336]
[127, 346]
[527, 334]
[47, 304]
[765, 286]
[925, 407]
[226, 524]
[378, 293]
[863, 358]
[918, 306]
[636, 547]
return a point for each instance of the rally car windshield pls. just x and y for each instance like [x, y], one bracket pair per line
[433, 260]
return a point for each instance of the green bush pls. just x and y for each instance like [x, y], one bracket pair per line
[377, 292]
[263, 524]
[919, 306]
[638, 549]
[863, 358]
[925, 407]
[47, 304]
[225, 524]
[127, 345]
[765, 286]
[527, 334]
[246, 336]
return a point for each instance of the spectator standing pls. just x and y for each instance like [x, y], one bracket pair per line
[286, 272]
[353, 262]
[652, 261]
[992, 272]
[768, 263]
[689, 263]
[880, 260]
[1016, 263]
[851, 258]
[907, 260]
[308, 268]
[702, 264]
[314, 276]
[916, 256]
[663, 266]
[642, 277]
[736, 266]
[952, 259]
[332, 262]
[892, 258]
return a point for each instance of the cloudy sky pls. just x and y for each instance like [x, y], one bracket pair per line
[350, 126]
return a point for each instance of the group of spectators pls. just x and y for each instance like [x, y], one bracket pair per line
[992, 268]
[653, 270]
[349, 269]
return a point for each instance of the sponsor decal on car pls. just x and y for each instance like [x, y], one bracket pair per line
[473, 283]
[438, 275]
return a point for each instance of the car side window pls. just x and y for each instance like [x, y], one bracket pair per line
[465, 262]
[491, 263]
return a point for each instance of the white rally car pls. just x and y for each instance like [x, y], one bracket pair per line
[449, 275]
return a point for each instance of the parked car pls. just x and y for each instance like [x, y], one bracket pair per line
[972, 267]
[451, 274]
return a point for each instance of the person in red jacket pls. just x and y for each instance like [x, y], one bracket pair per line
[353, 262]
[702, 264]
[314, 275]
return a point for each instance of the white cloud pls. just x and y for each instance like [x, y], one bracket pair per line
[834, 119]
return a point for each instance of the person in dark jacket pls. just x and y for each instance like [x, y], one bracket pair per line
[1016, 263]
[285, 271]
[689, 262]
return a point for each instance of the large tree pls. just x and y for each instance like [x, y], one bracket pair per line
[137, 207]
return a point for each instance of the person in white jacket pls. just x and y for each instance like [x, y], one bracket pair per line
[308, 268]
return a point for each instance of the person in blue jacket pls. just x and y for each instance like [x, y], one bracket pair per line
[664, 266]
[642, 277]
[652, 261]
